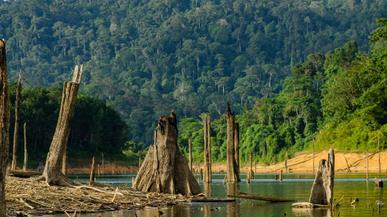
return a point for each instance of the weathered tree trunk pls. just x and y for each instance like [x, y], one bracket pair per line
[25, 147]
[92, 172]
[52, 171]
[64, 160]
[207, 149]
[322, 189]
[16, 129]
[232, 164]
[164, 168]
[236, 150]
[286, 163]
[4, 125]
[190, 154]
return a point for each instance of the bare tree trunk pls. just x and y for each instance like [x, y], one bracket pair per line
[236, 150]
[25, 147]
[207, 149]
[16, 129]
[190, 154]
[92, 172]
[4, 125]
[322, 189]
[232, 164]
[52, 171]
[164, 168]
[64, 160]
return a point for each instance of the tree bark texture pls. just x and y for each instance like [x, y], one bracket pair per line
[207, 149]
[164, 169]
[232, 164]
[16, 129]
[52, 171]
[4, 125]
[322, 189]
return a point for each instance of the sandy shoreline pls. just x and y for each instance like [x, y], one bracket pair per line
[302, 163]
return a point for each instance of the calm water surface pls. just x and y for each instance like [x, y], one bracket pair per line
[295, 187]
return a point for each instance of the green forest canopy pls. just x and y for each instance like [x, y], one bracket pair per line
[148, 57]
[335, 100]
[96, 128]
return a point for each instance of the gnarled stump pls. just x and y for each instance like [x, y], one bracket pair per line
[164, 169]
[52, 171]
[4, 125]
[322, 189]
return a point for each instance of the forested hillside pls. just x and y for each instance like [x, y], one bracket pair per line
[334, 100]
[147, 57]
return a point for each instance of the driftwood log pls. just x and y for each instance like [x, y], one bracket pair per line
[52, 171]
[4, 125]
[207, 149]
[164, 169]
[16, 128]
[232, 147]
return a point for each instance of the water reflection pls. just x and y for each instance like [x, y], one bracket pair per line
[292, 188]
[173, 211]
[312, 212]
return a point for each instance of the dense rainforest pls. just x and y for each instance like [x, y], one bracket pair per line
[334, 100]
[144, 58]
[96, 128]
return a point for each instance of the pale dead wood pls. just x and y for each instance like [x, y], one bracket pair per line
[4, 125]
[52, 172]
[164, 169]
[16, 127]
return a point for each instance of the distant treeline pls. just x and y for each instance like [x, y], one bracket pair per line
[334, 100]
[96, 128]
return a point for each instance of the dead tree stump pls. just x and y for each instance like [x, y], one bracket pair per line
[207, 149]
[164, 169]
[322, 189]
[52, 171]
[4, 125]
[25, 147]
[16, 128]
[250, 174]
[232, 146]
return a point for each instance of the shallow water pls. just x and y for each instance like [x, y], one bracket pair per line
[295, 187]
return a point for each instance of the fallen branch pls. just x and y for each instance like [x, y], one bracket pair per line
[308, 205]
[258, 197]
[97, 189]
[26, 204]
[212, 200]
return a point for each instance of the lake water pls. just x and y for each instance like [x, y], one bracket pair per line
[297, 187]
